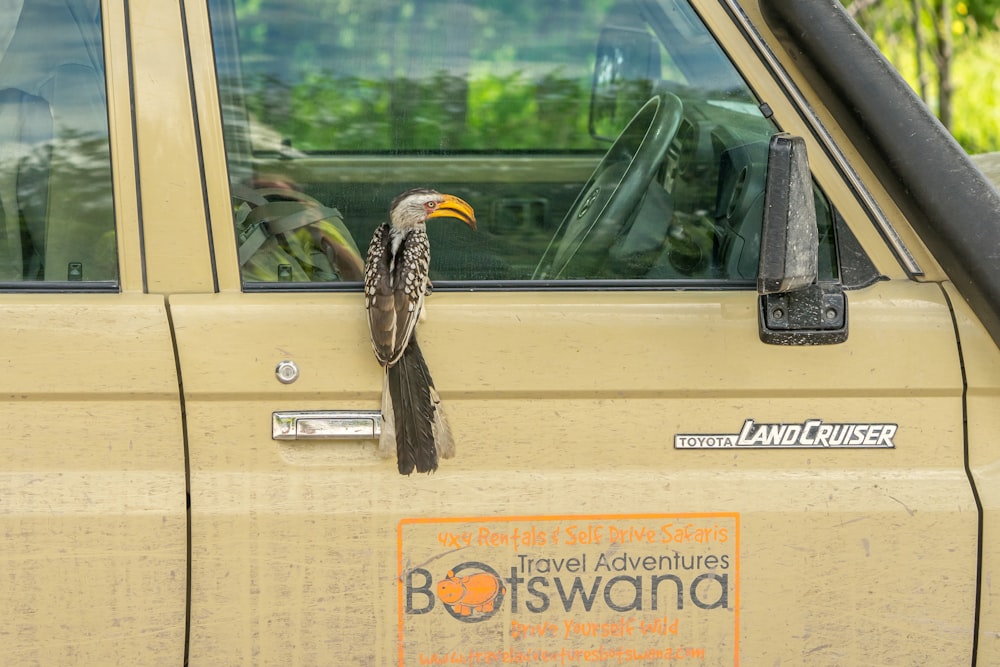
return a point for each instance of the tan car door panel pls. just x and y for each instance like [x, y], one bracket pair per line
[92, 498]
[565, 407]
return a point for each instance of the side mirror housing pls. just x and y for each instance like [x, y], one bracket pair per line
[794, 308]
[789, 240]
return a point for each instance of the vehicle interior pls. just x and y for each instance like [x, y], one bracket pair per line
[605, 141]
[55, 175]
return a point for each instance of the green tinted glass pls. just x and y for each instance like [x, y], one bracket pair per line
[332, 107]
[57, 215]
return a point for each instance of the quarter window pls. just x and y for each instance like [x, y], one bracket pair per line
[333, 107]
[57, 217]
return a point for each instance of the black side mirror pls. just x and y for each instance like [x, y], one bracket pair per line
[789, 241]
[626, 71]
[794, 308]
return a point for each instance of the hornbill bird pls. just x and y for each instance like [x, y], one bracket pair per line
[396, 281]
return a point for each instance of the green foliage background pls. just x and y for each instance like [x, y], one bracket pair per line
[415, 75]
[303, 78]
[968, 33]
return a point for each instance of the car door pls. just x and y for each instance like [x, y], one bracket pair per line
[93, 490]
[639, 475]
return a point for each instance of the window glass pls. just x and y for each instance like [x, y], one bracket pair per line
[57, 216]
[332, 107]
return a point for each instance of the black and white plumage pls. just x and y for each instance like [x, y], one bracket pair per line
[396, 281]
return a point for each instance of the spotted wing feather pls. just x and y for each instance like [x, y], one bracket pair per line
[395, 284]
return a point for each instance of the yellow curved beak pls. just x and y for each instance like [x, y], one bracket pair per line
[455, 207]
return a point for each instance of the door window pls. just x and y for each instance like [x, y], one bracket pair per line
[57, 216]
[332, 108]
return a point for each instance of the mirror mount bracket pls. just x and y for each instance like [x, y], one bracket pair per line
[811, 315]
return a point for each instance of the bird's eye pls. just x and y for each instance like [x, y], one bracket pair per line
[431, 204]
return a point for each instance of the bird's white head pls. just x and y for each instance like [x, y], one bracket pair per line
[415, 207]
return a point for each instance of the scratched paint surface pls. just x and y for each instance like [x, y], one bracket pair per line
[605, 589]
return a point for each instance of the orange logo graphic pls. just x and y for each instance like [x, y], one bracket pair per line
[472, 597]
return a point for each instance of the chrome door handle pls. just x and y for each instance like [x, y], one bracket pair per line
[326, 425]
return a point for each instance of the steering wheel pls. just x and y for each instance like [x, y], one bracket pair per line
[611, 197]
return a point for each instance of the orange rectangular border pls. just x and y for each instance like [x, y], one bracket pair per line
[734, 516]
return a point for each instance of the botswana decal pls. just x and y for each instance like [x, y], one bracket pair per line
[575, 589]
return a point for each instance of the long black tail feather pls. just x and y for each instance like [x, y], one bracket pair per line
[410, 385]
